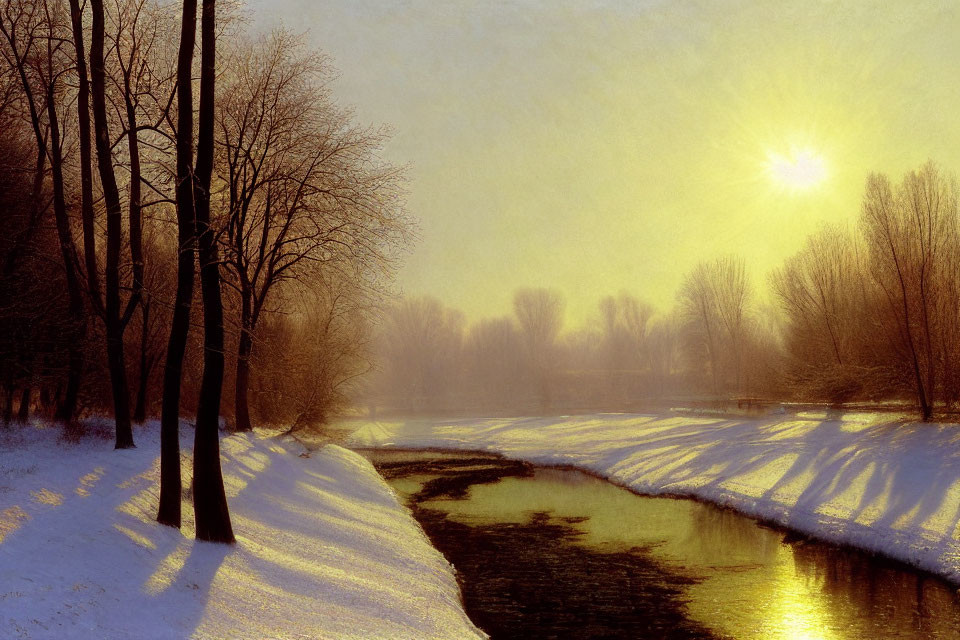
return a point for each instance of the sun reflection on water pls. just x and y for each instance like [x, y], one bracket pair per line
[750, 583]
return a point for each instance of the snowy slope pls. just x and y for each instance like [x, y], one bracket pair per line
[867, 480]
[324, 549]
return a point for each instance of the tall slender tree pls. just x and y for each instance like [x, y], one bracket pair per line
[143, 100]
[111, 196]
[86, 168]
[169, 512]
[68, 249]
[209, 499]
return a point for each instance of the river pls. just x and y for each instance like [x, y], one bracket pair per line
[557, 553]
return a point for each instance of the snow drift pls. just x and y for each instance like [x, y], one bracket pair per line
[323, 549]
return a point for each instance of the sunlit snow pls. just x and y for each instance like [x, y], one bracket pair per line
[323, 549]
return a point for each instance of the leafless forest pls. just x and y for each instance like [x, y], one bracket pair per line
[139, 177]
[863, 314]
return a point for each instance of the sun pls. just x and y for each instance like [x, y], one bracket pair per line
[800, 170]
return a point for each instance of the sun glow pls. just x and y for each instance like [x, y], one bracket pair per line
[800, 169]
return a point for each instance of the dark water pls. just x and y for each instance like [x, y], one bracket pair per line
[549, 553]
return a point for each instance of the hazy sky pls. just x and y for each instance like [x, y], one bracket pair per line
[594, 146]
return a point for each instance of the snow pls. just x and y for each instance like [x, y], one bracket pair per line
[872, 481]
[324, 549]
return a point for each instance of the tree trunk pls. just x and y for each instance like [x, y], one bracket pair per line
[118, 375]
[140, 409]
[244, 349]
[170, 482]
[135, 209]
[23, 413]
[67, 408]
[46, 399]
[86, 169]
[111, 197]
[241, 400]
[68, 252]
[711, 347]
[926, 407]
[169, 512]
[135, 221]
[209, 499]
[243, 384]
[8, 405]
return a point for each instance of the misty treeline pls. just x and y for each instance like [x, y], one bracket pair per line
[627, 357]
[869, 313]
[191, 228]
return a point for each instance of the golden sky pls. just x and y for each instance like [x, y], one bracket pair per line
[594, 146]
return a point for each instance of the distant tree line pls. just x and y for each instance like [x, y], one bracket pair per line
[627, 357]
[147, 160]
[869, 314]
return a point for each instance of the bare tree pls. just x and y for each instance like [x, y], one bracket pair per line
[142, 99]
[732, 294]
[947, 312]
[86, 159]
[698, 306]
[663, 353]
[209, 499]
[113, 317]
[310, 358]
[34, 37]
[36, 326]
[52, 77]
[713, 300]
[169, 512]
[826, 307]
[906, 232]
[422, 342]
[305, 193]
[539, 313]
[54, 69]
[625, 321]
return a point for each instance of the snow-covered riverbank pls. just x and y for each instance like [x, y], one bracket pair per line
[323, 549]
[867, 480]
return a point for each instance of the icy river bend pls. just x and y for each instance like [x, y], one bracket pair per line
[547, 552]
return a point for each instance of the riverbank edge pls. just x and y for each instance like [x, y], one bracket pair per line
[922, 549]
